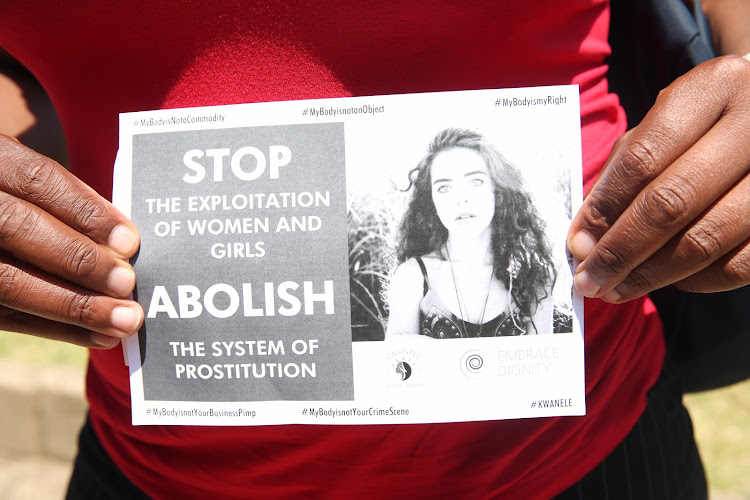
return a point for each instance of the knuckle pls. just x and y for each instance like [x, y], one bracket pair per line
[36, 178]
[690, 284]
[599, 214]
[730, 76]
[609, 262]
[88, 215]
[738, 272]
[640, 281]
[621, 140]
[39, 179]
[12, 284]
[666, 205]
[663, 93]
[16, 218]
[81, 309]
[640, 158]
[702, 244]
[726, 275]
[81, 259]
[728, 68]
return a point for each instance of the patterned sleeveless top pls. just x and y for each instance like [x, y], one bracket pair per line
[436, 321]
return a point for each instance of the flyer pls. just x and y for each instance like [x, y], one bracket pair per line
[365, 260]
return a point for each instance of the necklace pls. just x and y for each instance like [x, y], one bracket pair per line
[458, 295]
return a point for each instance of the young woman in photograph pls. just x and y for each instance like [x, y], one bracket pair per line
[474, 260]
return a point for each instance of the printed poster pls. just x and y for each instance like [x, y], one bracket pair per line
[384, 259]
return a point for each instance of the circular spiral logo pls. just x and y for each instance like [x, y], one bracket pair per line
[472, 364]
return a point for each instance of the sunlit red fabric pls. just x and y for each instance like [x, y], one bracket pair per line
[99, 58]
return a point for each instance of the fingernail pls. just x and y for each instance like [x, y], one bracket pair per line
[126, 319]
[123, 240]
[620, 291]
[104, 341]
[586, 285]
[612, 296]
[581, 244]
[122, 281]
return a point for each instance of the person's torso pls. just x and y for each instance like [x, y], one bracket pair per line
[99, 58]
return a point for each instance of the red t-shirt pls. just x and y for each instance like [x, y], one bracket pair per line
[99, 58]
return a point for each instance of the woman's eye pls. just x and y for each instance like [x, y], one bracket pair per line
[477, 181]
[444, 188]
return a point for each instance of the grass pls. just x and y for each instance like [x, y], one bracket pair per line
[721, 417]
[371, 258]
[40, 351]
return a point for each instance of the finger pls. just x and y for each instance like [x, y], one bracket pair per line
[29, 290]
[20, 322]
[42, 240]
[714, 234]
[612, 236]
[636, 159]
[41, 181]
[730, 272]
[664, 207]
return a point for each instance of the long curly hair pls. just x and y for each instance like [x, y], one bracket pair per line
[522, 255]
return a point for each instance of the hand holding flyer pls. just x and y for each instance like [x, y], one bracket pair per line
[297, 257]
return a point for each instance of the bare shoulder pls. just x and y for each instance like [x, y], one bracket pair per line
[412, 270]
[407, 273]
[432, 261]
[404, 295]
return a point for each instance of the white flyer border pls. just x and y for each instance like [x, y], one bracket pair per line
[565, 398]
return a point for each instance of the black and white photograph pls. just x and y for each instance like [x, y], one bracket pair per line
[468, 254]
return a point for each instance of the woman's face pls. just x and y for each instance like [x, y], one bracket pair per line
[462, 192]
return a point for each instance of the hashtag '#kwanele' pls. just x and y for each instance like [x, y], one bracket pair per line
[533, 404]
